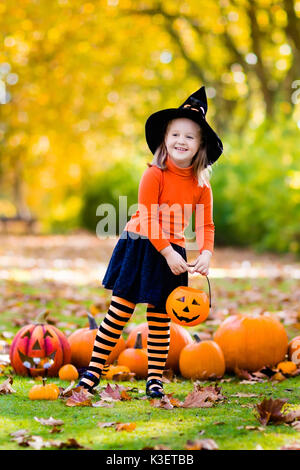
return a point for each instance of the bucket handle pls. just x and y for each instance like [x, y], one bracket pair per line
[209, 290]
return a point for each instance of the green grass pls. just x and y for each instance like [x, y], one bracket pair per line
[171, 428]
[154, 426]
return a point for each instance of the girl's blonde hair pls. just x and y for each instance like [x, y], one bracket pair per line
[201, 169]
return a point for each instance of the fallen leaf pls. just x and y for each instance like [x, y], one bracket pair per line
[5, 387]
[71, 443]
[200, 397]
[167, 402]
[37, 442]
[203, 397]
[244, 395]
[278, 377]
[106, 425]
[296, 425]
[247, 382]
[125, 426]
[112, 393]
[67, 392]
[242, 374]
[125, 396]
[81, 398]
[270, 411]
[124, 376]
[49, 421]
[24, 439]
[201, 444]
[163, 402]
[253, 377]
[104, 404]
[20, 436]
[7, 334]
[291, 413]
[118, 426]
[4, 351]
[174, 401]
[55, 429]
[265, 372]
[254, 428]
[157, 447]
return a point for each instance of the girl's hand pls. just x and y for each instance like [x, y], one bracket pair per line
[201, 264]
[176, 262]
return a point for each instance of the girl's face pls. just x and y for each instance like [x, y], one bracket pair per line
[182, 140]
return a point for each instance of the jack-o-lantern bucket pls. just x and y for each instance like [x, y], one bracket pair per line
[188, 306]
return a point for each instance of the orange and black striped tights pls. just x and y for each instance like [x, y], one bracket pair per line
[110, 329]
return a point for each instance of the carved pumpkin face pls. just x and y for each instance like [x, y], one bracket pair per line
[39, 348]
[187, 306]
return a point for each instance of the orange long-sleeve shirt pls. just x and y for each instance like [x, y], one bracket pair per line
[166, 201]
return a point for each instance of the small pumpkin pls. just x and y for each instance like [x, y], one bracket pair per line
[44, 392]
[113, 370]
[68, 372]
[187, 306]
[179, 337]
[82, 342]
[202, 360]
[294, 350]
[287, 367]
[251, 342]
[136, 358]
[39, 349]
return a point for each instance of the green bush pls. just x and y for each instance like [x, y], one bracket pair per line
[121, 179]
[256, 188]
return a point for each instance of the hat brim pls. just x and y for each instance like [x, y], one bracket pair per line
[156, 124]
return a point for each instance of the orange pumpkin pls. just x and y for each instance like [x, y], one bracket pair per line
[294, 350]
[39, 349]
[113, 370]
[187, 306]
[136, 358]
[82, 342]
[179, 337]
[286, 367]
[68, 372]
[44, 392]
[202, 360]
[251, 342]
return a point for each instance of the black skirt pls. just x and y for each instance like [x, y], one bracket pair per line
[138, 273]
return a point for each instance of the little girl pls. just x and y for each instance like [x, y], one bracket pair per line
[149, 260]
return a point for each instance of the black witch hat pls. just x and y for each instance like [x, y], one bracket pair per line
[195, 108]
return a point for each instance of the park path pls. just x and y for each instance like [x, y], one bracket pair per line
[82, 258]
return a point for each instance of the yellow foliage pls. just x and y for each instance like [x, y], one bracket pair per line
[89, 75]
